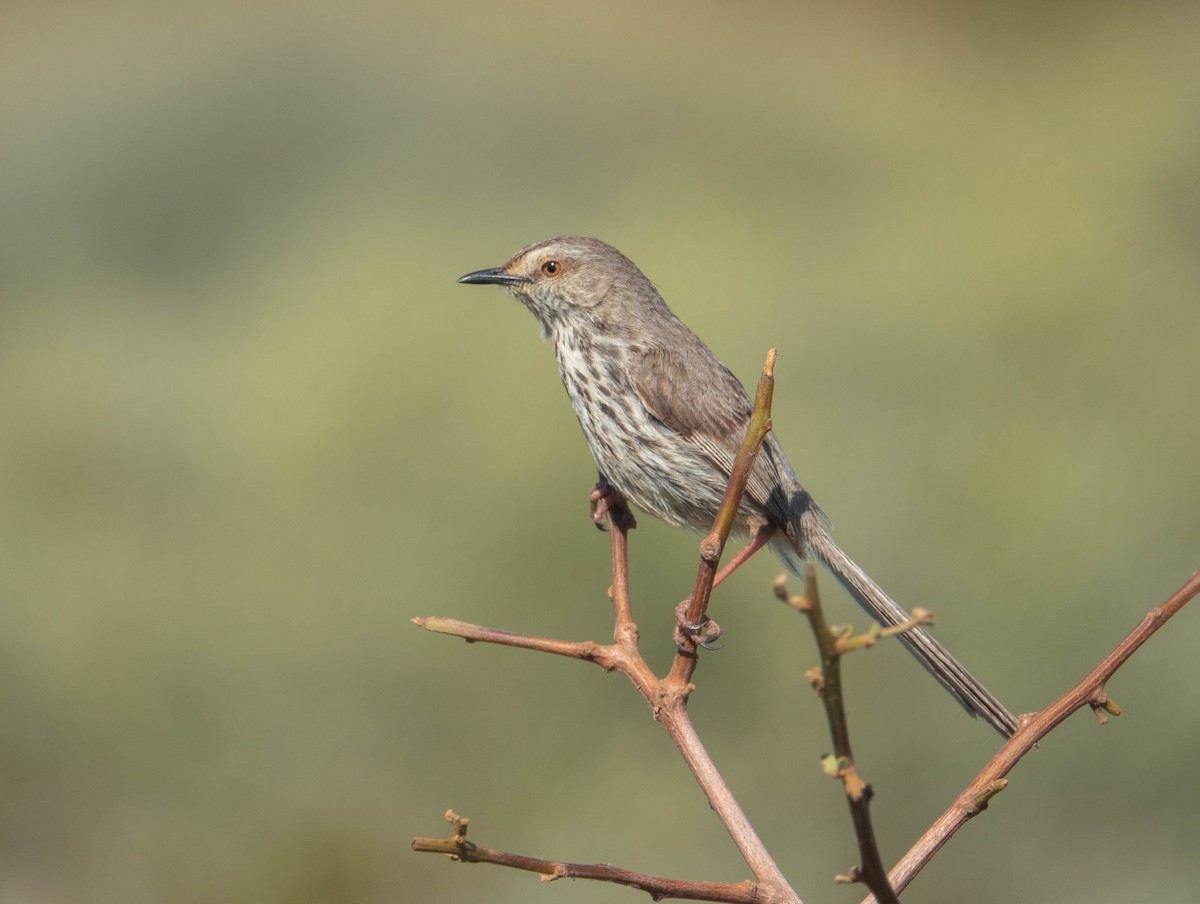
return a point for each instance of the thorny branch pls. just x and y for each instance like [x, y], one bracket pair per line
[828, 683]
[667, 697]
[458, 848]
[1089, 691]
[668, 700]
[713, 545]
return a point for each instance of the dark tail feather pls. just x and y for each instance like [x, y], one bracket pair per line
[974, 697]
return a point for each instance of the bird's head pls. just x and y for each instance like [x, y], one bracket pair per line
[570, 280]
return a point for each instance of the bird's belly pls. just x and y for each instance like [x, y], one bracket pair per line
[656, 469]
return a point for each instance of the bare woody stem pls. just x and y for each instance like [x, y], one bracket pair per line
[674, 689]
[1089, 691]
[658, 887]
[624, 629]
[667, 698]
[872, 872]
[713, 544]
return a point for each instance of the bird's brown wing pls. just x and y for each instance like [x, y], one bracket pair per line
[692, 393]
[689, 391]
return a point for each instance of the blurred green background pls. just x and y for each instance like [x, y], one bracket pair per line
[251, 427]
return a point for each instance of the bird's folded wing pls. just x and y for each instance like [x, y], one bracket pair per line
[690, 392]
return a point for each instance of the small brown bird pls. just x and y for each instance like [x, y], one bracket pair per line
[664, 419]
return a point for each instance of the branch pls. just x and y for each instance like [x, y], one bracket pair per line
[667, 698]
[829, 686]
[658, 887]
[1088, 692]
[584, 649]
[713, 545]
[624, 630]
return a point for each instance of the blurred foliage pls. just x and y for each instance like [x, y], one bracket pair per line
[251, 426]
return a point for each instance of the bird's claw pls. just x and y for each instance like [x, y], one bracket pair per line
[605, 498]
[688, 636]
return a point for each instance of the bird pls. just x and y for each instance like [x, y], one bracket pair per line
[664, 418]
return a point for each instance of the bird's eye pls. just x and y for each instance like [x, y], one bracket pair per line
[551, 267]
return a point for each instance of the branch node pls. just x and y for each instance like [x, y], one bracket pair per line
[846, 641]
[1103, 706]
[779, 585]
[627, 635]
[852, 876]
[834, 766]
[557, 873]
[799, 603]
[980, 799]
[856, 788]
[460, 824]
[843, 768]
[816, 677]
[918, 616]
[1101, 710]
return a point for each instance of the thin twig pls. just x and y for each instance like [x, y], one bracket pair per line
[1089, 691]
[713, 545]
[658, 887]
[674, 689]
[871, 872]
[620, 522]
[585, 649]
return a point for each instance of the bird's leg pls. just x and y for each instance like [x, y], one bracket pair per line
[605, 498]
[761, 537]
[708, 631]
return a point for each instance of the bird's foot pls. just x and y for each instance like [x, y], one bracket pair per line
[688, 636]
[606, 500]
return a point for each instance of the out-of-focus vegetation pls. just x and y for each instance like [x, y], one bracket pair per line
[251, 426]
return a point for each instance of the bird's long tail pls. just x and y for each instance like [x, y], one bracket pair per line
[974, 697]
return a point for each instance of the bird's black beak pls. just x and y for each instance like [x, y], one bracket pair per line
[497, 276]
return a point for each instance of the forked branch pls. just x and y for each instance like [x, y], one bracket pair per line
[1089, 691]
[841, 765]
[667, 698]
